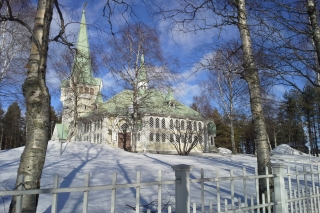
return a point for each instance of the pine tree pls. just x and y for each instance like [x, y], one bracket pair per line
[12, 127]
[53, 120]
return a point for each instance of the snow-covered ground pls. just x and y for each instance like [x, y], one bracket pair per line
[102, 161]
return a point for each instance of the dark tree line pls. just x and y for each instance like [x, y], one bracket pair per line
[294, 120]
[13, 128]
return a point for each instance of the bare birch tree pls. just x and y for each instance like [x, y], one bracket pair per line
[225, 85]
[186, 137]
[136, 62]
[14, 50]
[36, 95]
[37, 101]
[191, 15]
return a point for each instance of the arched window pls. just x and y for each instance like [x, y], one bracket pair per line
[200, 126]
[87, 90]
[189, 127]
[171, 124]
[163, 137]
[138, 137]
[151, 122]
[124, 127]
[151, 136]
[171, 138]
[194, 126]
[177, 124]
[178, 138]
[182, 125]
[91, 91]
[157, 122]
[157, 137]
[81, 89]
[163, 123]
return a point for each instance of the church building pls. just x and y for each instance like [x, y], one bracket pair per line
[156, 122]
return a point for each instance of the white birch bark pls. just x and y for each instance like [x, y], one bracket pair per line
[38, 107]
[252, 78]
[312, 13]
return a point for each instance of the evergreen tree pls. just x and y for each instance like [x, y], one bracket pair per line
[12, 123]
[290, 121]
[308, 108]
[53, 120]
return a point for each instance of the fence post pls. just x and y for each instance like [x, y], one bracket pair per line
[19, 197]
[280, 199]
[182, 189]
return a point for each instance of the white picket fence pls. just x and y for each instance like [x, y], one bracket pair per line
[295, 191]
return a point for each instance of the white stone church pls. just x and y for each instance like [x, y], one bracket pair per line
[163, 122]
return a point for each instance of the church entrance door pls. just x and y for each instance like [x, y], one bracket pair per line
[124, 140]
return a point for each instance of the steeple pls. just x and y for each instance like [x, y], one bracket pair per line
[82, 68]
[142, 76]
[170, 98]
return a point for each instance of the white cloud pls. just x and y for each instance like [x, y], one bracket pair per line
[108, 80]
[185, 92]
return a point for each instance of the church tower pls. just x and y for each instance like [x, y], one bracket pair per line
[142, 79]
[81, 92]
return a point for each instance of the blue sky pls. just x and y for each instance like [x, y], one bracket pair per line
[176, 44]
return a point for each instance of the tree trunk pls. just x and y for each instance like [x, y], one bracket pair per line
[252, 78]
[231, 117]
[315, 136]
[38, 108]
[312, 13]
[233, 143]
[1, 137]
[275, 138]
[311, 139]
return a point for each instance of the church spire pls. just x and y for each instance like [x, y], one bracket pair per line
[82, 62]
[142, 76]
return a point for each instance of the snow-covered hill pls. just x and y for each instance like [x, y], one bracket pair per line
[101, 161]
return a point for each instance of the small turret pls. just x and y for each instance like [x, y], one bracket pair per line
[170, 98]
[142, 79]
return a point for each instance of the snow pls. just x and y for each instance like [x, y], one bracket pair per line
[285, 149]
[101, 161]
[224, 151]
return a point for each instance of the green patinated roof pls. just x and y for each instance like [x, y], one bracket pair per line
[82, 69]
[62, 131]
[154, 104]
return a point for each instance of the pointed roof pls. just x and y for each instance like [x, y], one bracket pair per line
[82, 68]
[170, 96]
[142, 75]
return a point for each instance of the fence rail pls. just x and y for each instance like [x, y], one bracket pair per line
[294, 192]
